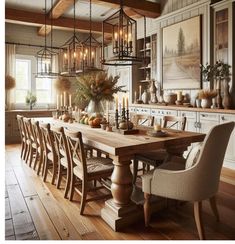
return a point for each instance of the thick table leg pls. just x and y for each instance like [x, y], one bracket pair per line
[120, 211]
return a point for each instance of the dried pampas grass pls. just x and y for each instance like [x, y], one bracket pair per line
[10, 82]
[205, 94]
[62, 84]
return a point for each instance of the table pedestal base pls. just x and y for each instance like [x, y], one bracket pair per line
[118, 217]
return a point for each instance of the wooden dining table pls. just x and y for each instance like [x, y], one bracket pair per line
[120, 210]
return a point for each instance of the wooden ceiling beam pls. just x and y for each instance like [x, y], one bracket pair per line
[60, 8]
[57, 10]
[143, 7]
[22, 16]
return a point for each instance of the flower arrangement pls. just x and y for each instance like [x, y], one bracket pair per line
[207, 94]
[97, 87]
[30, 99]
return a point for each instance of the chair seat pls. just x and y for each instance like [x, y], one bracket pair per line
[95, 166]
[152, 157]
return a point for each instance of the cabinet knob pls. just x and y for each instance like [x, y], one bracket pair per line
[222, 118]
[183, 114]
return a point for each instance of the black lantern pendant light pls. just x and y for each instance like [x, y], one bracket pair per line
[91, 51]
[71, 56]
[46, 55]
[124, 37]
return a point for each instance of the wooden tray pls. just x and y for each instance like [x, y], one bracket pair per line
[161, 133]
[126, 132]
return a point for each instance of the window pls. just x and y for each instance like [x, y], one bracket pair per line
[26, 68]
[23, 79]
[43, 90]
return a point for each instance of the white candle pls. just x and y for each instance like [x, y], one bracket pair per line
[179, 96]
[61, 100]
[123, 102]
[127, 105]
[70, 100]
[135, 98]
[140, 91]
[65, 99]
[57, 102]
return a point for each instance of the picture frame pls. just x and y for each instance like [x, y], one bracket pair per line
[182, 55]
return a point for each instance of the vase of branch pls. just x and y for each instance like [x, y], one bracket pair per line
[227, 100]
[95, 107]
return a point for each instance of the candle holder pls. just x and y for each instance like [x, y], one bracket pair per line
[116, 119]
[123, 114]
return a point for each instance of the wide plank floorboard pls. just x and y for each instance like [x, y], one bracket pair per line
[37, 210]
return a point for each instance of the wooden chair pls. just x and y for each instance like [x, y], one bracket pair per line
[31, 142]
[156, 157]
[39, 156]
[63, 166]
[50, 163]
[85, 170]
[196, 182]
[140, 119]
[22, 136]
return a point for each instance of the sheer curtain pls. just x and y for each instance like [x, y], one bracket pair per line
[10, 63]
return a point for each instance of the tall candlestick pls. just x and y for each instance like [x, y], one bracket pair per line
[70, 100]
[107, 111]
[57, 102]
[61, 100]
[65, 99]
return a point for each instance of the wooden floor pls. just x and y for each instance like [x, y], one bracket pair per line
[37, 210]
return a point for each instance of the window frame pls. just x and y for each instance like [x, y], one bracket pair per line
[32, 84]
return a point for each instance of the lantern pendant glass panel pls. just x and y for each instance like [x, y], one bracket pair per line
[124, 37]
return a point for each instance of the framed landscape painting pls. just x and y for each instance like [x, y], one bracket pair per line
[182, 55]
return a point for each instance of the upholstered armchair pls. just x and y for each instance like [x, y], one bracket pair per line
[196, 183]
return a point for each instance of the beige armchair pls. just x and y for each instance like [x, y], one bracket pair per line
[197, 183]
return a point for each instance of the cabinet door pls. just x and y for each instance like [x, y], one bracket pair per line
[229, 161]
[207, 121]
[191, 120]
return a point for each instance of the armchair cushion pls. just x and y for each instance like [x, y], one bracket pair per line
[193, 155]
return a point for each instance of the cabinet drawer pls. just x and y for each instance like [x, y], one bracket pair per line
[188, 114]
[226, 118]
[143, 111]
[132, 109]
[162, 112]
[209, 117]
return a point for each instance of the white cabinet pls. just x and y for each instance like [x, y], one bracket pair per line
[191, 120]
[207, 121]
[230, 153]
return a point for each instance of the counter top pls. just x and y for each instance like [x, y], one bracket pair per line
[184, 108]
[29, 111]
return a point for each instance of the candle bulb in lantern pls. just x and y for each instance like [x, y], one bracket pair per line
[57, 102]
[65, 99]
[70, 100]
[61, 100]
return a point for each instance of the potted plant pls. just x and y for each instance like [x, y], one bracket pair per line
[206, 97]
[30, 99]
